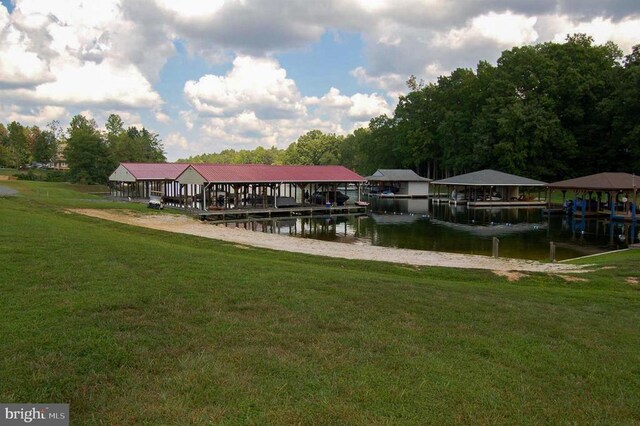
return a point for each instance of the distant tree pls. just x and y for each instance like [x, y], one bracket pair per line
[18, 152]
[622, 108]
[352, 153]
[80, 122]
[132, 145]
[4, 148]
[314, 148]
[44, 147]
[87, 153]
[114, 125]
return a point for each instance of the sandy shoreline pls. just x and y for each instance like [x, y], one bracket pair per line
[186, 225]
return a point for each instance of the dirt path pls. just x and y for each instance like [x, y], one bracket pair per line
[186, 225]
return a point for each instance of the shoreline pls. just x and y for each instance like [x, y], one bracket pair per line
[185, 225]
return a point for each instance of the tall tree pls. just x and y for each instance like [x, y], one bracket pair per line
[314, 147]
[132, 145]
[44, 147]
[4, 147]
[89, 158]
[17, 145]
[622, 108]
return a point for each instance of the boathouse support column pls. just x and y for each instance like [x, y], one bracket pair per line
[204, 196]
[635, 203]
[612, 206]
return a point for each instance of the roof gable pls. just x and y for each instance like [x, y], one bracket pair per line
[489, 177]
[261, 173]
[396, 175]
[150, 171]
[603, 181]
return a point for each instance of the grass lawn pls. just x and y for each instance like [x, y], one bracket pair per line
[132, 325]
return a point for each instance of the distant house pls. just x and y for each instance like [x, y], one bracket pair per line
[59, 160]
[398, 183]
[491, 187]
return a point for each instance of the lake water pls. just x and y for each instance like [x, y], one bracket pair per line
[523, 233]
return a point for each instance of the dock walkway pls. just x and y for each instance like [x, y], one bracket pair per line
[257, 213]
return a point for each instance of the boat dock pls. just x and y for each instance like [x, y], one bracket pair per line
[269, 212]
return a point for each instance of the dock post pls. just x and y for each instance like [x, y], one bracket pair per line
[552, 251]
[496, 245]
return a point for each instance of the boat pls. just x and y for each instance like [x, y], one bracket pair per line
[329, 197]
[362, 203]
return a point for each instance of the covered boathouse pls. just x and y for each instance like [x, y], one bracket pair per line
[398, 183]
[216, 190]
[603, 194]
[143, 180]
[267, 186]
[487, 188]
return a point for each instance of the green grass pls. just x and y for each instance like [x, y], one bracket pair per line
[131, 325]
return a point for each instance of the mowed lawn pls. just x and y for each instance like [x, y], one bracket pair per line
[131, 326]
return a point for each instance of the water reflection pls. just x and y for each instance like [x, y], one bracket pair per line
[419, 224]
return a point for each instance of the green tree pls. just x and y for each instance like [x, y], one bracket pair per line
[314, 148]
[87, 153]
[132, 145]
[44, 147]
[586, 75]
[18, 152]
[622, 108]
[4, 149]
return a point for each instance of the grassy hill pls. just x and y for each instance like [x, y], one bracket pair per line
[131, 325]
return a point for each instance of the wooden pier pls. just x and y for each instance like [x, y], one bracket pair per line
[261, 213]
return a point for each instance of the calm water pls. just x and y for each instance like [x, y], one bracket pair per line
[422, 225]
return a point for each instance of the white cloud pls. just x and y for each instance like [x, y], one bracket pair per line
[162, 117]
[256, 84]
[73, 53]
[365, 107]
[39, 116]
[392, 83]
[93, 83]
[192, 9]
[176, 140]
[188, 118]
[504, 29]
[625, 33]
[19, 62]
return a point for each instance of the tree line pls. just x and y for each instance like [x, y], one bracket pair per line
[548, 111]
[91, 153]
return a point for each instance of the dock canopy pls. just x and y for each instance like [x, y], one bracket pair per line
[132, 172]
[489, 177]
[201, 174]
[146, 179]
[491, 187]
[599, 182]
[612, 194]
[251, 185]
[399, 182]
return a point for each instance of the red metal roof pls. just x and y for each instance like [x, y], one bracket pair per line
[260, 173]
[155, 171]
[600, 181]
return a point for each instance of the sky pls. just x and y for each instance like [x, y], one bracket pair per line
[208, 75]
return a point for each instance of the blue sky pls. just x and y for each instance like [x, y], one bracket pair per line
[217, 74]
